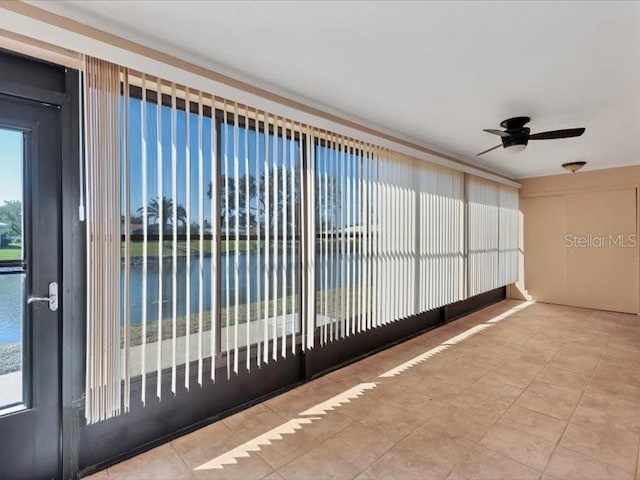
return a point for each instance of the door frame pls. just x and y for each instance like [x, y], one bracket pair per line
[39, 81]
[73, 337]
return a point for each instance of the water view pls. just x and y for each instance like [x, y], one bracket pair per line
[11, 304]
[250, 284]
[11, 287]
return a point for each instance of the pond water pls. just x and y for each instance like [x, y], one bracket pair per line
[250, 285]
[11, 302]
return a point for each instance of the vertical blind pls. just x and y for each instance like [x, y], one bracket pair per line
[508, 235]
[441, 236]
[227, 237]
[492, 235]
[482, 199]
[389, 238]
[103, 162]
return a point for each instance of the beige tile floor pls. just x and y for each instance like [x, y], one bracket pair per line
[530, 391]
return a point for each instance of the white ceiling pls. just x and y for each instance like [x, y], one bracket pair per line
[437, 72]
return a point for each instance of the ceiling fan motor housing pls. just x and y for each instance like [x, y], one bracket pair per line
[515, 127]
[517, 136]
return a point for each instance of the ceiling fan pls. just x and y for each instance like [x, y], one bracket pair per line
[515, 135]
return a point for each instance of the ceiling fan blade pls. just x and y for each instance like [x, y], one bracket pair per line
[497, 132]
[488, 150]
[569, 132]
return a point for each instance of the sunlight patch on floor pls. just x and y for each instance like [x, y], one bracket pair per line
[341, 399]
[314, 413]
[414, 361]
[254, 445]
[510, 312]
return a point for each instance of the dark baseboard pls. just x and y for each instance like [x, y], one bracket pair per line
[144, 428]
[472, 304]
[341, 352]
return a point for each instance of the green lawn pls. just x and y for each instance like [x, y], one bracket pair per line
[12, 252]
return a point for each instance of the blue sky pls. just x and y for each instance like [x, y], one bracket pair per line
[332, 163]
[11, 157]
[11, 165]
[255, 143]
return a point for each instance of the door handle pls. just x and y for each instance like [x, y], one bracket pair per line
[52, 299]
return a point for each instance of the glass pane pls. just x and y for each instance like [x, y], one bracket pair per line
[12, 277]
[336, 277]
[155, 288]
[10, 196]
[11, 338]
[244, 230]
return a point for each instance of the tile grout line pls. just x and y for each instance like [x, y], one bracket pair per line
[495, 421]
[516, 399]
[175, 450]
[576, 408]
[572, 414]
[502, 415]
[510, 405]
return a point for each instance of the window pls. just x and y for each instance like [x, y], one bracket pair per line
[168, 197]
[210, 233]
[341, 231]
[259, 186]
[389, 237]
[12, 270]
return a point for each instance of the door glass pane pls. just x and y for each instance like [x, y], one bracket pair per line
[12, 269]
[11, 338]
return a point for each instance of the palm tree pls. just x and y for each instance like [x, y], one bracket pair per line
[181, 215]
[163, 209]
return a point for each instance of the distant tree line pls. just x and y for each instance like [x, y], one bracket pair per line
[251, 207]
[11, 215]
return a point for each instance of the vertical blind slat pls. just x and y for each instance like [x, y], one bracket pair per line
[247, 209]
[174, 222]
[293, 234]
[145, 251]
[236, 248]
[215, 243]
[285, 201]
[259, 319]
[274, 265]
[227, 327]
[267, 232]
[201, 227]
[187, 336]
[127, 249]
[161, 218]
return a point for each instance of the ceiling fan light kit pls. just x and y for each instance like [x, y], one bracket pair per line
[517, 147]
[516, 136]
[573, 167]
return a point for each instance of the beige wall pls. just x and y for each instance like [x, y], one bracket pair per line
[571, 223]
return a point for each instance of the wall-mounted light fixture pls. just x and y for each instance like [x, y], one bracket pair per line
[573, 167]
